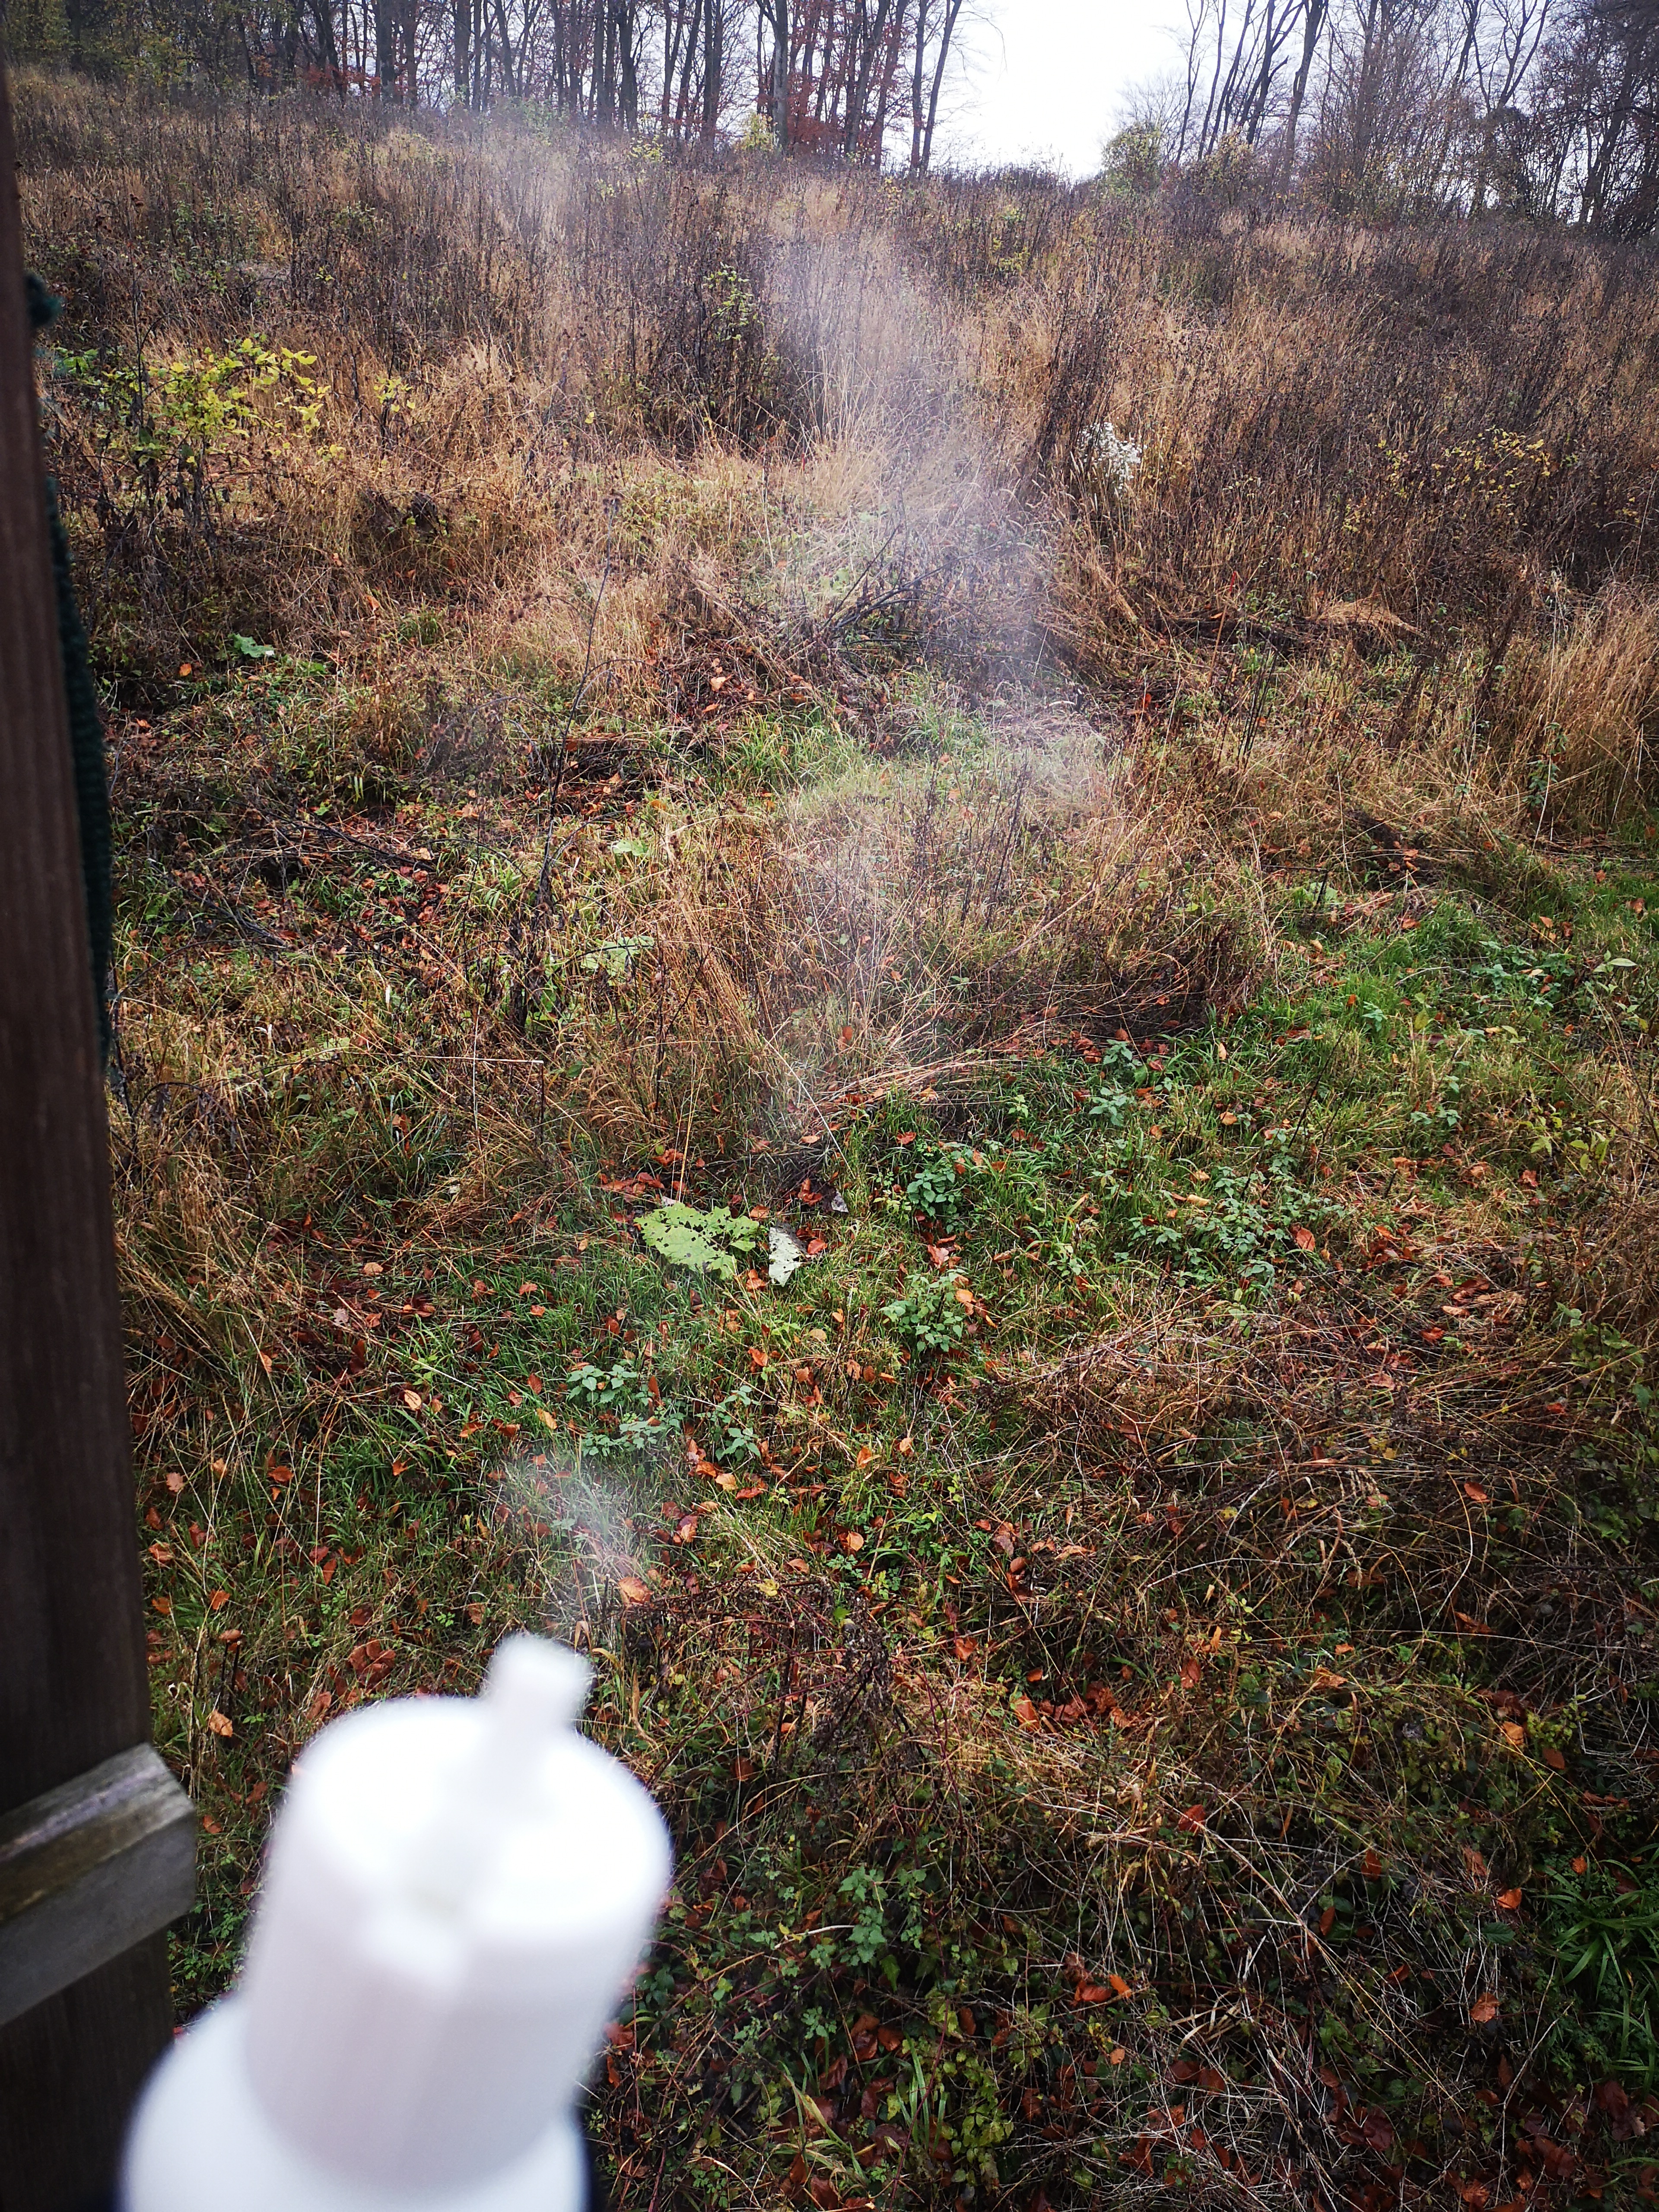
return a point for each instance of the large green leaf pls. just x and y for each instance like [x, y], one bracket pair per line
[708, 1244]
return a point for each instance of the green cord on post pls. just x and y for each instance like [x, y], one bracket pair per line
[86, 727]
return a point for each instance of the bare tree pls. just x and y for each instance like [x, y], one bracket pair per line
[774, 68]
[1313, 14]
[934, 32]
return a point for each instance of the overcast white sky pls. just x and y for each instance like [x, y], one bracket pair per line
[1045, 76]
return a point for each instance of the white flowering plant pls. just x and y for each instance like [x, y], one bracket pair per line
[1107, 461]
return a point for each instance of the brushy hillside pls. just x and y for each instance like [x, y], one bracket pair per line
[894, 946]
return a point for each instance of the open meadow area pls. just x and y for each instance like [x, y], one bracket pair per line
[890, 945]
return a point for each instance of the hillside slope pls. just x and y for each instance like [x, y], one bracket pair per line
[894, 948]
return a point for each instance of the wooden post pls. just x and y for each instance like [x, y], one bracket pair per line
[74, 1689]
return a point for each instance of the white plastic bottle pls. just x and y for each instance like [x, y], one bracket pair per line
[457, 1890]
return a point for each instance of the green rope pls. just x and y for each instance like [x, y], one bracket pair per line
[86, 727]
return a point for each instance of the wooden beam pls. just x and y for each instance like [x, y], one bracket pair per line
[73, 1681]
[89, 1869]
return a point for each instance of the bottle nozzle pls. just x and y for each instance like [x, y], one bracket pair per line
[532, 1689]
[534, 1686]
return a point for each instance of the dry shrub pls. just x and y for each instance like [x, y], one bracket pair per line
[1413, 412]
[536, 362]
[499, 326]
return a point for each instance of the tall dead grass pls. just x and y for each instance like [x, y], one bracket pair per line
[894, 925]
[1577, 712]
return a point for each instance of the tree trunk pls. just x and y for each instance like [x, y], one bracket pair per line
[327, 46]
[628, 60]
[947, 30]
[889, 71]
[714, 56]
[780, 74]
[858, 94]
[604, 72]
[1313, 23]
[689, 69]
[463, 53]
[673, 30]
[918, 75]
[386, 51]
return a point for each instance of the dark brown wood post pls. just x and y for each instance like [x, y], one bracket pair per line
[73, 1680]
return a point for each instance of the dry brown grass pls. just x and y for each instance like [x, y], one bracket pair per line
[892, 922]
[1576, 712]
[784, 407]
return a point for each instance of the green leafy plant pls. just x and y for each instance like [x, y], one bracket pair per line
[1540, 978]
[1432, 1123]
[1122, 1072]
[1554, 1136]
[940, 1185]
[733, 1436]
[1602, 1925]
[930, 1316]
[708, 1243]
[1110, 1106]
[1237, 1226]
[182, 440]
[612, 1403]
[613, 960]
